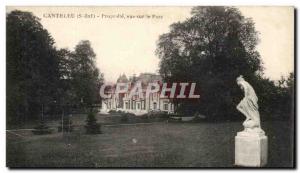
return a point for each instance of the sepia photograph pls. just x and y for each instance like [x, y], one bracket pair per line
[150, 87]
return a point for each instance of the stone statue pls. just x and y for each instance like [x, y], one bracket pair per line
[249, 107]
[251, 145]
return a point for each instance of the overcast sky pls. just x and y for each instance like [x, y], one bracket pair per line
[128, 45]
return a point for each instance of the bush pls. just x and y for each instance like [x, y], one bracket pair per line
[92, 127]
[158, 114]
[144, 116]
[126, 117]
[41, 129]
[154, 116]
[67, 124]
[112, 111]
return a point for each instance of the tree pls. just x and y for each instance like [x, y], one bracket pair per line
[291, 95]
[41, 128]
[66, 94]
[32, 67]
[80, 79]
[92, 127]
[285, 97]
[40, 77]
[212, 48]
[85, 76]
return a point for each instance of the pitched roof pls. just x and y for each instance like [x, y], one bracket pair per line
[122, 79]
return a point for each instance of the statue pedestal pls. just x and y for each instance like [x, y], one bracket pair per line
[251, 149]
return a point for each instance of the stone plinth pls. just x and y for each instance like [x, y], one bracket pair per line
[251, 149]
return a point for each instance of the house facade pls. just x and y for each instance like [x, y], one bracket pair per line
[138, 104]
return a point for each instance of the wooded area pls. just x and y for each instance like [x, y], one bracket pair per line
[42, 79]
[212, 48]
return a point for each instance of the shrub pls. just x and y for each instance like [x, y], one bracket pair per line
[112, 111]
[144, 116]
[41, 129]
[124, 117]
[158, 114]
[92, 127]
[119, 111]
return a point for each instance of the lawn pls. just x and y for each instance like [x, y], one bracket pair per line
[158, 144]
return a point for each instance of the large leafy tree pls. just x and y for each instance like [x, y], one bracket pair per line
[39, 76]
[32, 66]
[86, 78]
[66, 95]
[212, 47]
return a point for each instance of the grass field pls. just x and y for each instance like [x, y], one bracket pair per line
[158, 144]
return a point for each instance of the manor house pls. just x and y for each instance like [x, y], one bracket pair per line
[138, 104]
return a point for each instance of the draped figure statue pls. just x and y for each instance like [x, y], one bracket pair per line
[248, 106]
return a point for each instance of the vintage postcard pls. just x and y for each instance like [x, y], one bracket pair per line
[150, 87]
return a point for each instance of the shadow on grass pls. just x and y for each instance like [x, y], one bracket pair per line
[159, 144]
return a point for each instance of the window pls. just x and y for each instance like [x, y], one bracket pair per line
[138, 105]
[166, 106]
[154, 105]
[143, 105]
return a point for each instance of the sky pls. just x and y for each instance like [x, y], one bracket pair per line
[127, 45]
